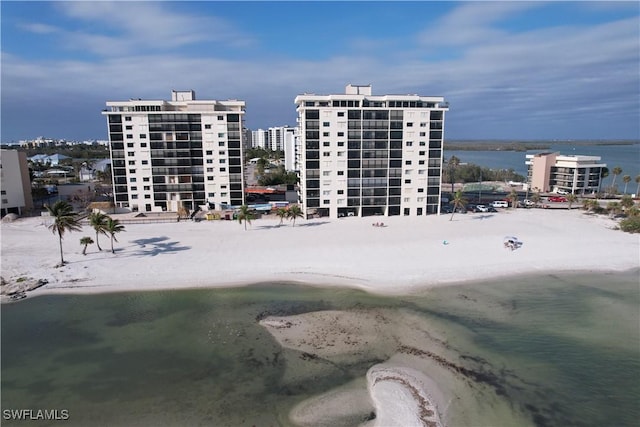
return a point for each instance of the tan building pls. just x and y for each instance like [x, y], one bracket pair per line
[553, 172]
[15, 183]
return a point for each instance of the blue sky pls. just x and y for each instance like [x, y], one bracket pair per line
[510, 70]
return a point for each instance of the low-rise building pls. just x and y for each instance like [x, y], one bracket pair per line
[15, 183]
[553, 172]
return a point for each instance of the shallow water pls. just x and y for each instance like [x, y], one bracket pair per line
[560, 349]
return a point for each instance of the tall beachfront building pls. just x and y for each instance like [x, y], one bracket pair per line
[574, 174]
[183, 153]
[367, 155]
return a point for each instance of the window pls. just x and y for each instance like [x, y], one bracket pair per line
[223, 160]
[326, 192]
[220, 117]
[409, 124]
[130, 153]
[223, 169]
[222, 153]
[221, 144]
[326, 154]
[209, 178]
[421, 162]
[132, 171]
[325, 202]
[420, 190]
[340, 143]
[147, 196]
[408, 172]
[134, 188]
[127, 118]
[325, 133]
[147, 188]
[340, 191]
[145, 162]
[221, 135]
[407, 199]
[134, 196]
[340, 173]
[422, 153]
[423, 125]
[211, 194]
[421, 172]
[407, 162]
[326, 173]
[129, 144]
[129, 136]
[340, 153]
[223, 194]
[340, 113]
[132, 162]
[340, 133]
[209, 169]
[145, 179]
[409, 143]
[207, 126]
[128, 127]
[422, 134]
[407, 181]
[209, 161]
[325, 124]
[325, 144]
[209, 153]
[143, 136]
[143, 144]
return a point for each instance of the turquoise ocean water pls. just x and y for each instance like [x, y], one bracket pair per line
[564, 350]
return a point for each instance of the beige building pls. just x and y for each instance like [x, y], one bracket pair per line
[15, 184]
[553, 172]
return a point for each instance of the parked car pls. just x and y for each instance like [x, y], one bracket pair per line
[481, 208]
[491, 209]
[500, 204]
[562, 192]
[528, 203]
[557, 199]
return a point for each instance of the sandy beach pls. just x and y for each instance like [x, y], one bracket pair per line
[404, 256]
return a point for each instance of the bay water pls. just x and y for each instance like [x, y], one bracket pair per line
[627, 157]
[562, 349]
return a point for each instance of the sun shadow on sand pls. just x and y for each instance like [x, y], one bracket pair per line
[306, 224]
[157, 245]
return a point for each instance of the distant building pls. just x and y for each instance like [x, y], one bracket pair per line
[553, 172]
[183, 153]
[363, 154]
[53, 159]
[260, 139]
[15, 183]
[292, 149]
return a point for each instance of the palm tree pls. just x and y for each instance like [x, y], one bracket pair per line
[616, 171]
[638, 182]
[112, 227]
[513, 198]
[294, 212]
[97, 220]
[571, 198]
[282, 213]
[65, 220]
[535, 197]
[453, 163]
[626, 179]
[604, 172]
[626, 202]
[86, 241]
[245, 214]
[458, 202]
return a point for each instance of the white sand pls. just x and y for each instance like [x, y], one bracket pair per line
[406, 255]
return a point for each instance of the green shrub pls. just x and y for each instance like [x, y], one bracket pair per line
[631, 224]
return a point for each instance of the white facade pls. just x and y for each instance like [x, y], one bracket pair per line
[291, 149]
[15, 184]
[367, 155]
[183, 153]
[260, 139]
